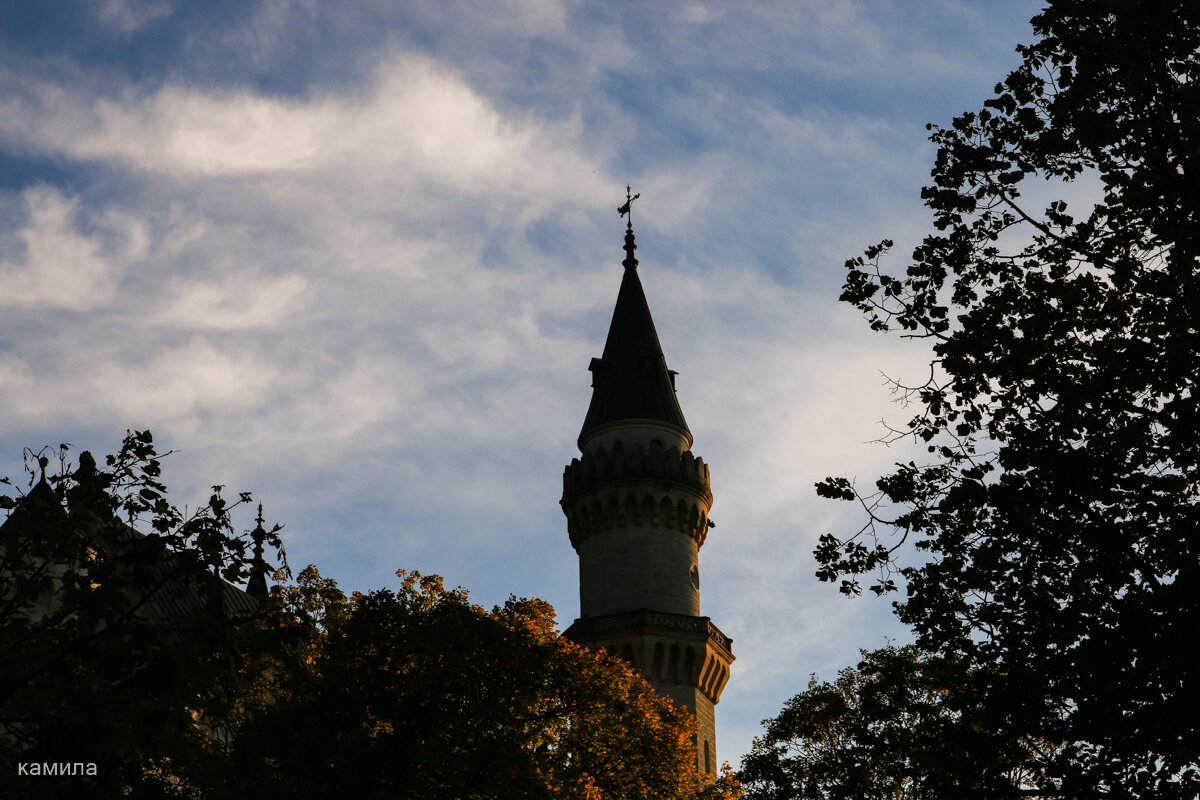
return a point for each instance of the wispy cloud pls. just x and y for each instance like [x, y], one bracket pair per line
[56, 265]
[415, 118]
[129, 16]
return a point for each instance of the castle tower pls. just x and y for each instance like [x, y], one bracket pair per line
[637, 504]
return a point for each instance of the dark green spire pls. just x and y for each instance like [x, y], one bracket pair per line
[631, 380]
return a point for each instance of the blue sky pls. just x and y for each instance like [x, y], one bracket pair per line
[356, 257]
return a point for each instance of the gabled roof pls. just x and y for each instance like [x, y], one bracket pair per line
[36, 512]
[631, 380]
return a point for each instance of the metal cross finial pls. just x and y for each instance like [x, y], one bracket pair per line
[630, 245]
[628, 207]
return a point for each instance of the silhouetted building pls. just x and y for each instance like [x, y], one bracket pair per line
[35, 537]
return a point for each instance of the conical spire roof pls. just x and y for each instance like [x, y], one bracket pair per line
[631, 380]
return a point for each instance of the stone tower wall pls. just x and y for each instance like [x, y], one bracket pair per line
[637, 514]
[684, 657]
[638, 567]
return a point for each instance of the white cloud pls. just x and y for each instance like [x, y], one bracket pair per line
[417, 121]
[60, 266]
[169, 383]
[129, 16]
[702, 13]
[243, 302]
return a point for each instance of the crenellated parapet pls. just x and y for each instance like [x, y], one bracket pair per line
[638, 485]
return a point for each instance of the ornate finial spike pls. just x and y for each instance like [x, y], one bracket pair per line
[630, 245]
[257, 585]
[258, 536]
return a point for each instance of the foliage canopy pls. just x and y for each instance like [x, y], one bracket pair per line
[1058, 505]
[115, 640]
[419, 693]
[901, 725]
[124, 644]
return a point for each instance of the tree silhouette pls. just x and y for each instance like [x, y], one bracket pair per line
[121, 638]
[901, 724]
[124, 645]
[1057, 506]
[418, 693]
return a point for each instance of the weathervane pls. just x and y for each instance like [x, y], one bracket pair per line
[630, 245]
[628, 207]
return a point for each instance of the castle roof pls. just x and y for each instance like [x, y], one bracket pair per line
[631, 380]
[173, 595]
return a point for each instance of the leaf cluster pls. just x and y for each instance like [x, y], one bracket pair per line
[118, 629]
[1058, 505]
[418, 693]
[124, 644]
[901, 725]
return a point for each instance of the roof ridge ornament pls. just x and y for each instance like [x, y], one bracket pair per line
[630, 245]
[257, 585]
